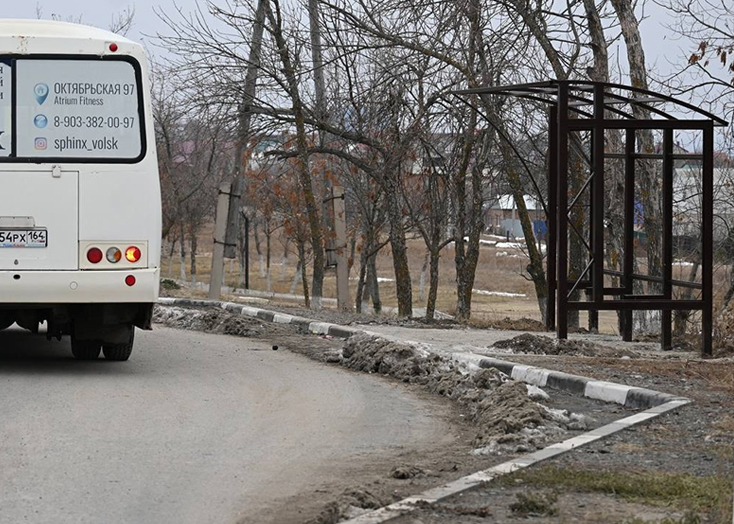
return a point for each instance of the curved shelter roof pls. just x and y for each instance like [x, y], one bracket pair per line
[621, 100]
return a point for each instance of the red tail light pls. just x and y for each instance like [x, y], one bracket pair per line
[132, 254]
[130, 280]
[94, 255]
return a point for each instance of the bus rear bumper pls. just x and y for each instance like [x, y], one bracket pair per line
[78, 287]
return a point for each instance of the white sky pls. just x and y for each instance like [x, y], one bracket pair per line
[660, 50]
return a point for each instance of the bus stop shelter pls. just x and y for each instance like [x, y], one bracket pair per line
[596, 108]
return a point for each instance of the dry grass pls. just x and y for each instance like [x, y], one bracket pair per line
[718, 375]
[684, 491]
[495, 273]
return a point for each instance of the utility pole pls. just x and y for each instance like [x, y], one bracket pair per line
[220, 239]
[337, 251]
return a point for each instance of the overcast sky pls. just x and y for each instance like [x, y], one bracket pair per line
[660, 50]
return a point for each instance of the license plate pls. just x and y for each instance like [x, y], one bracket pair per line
[23, 238]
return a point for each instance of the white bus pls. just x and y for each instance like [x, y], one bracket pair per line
[80, 205]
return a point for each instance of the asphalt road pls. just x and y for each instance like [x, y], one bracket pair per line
[195, 428]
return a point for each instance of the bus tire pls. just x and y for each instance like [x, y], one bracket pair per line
[85, 349]
[120, 352]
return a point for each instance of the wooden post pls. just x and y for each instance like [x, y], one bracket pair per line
[220, 232]
[342, 262]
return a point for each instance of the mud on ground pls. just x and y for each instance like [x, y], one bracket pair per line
[528, 343]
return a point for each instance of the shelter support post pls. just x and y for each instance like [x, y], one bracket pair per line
[628, 264]
[597, 209]
[707, 241]
[666, 331]
[562, 214]
[551, 239]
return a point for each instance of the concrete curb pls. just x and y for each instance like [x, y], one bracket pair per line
[655, 403]
[627, 396]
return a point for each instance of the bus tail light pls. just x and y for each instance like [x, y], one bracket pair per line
[130, 280]
[94, 255]
[133, 254]
[119, 255]
[114, 255]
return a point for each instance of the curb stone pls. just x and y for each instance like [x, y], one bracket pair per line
[657, 403]
[627, 396]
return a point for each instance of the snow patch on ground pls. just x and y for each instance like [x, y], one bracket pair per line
[510, 245]
[498, 293]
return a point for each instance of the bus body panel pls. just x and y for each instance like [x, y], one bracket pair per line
[33, 200]
[78, 287]
[113, 204]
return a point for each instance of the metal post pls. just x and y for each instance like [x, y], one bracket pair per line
[666, 333]
[707, 240]
[590, 294]
[597, 210]
[550, 311]
[562, 216]
[220, 231]
[628, 264]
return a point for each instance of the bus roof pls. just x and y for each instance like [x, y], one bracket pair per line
[14, 27]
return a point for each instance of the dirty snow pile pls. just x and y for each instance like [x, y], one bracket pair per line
[540, 345]
[508, 419]
[208, 320]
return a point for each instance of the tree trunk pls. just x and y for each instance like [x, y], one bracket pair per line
[577, 252]
[614, 170]
[352, 253]
[242, 244]
[170, 258]
[193, 257]
[647, 176]
[284, 260]
[268, 236]
[435, 257]
[469, 223]
[535, 264]
[373, 284]
[424, 271]
[302, 160]
[318, 64]
[360, 283]
[182, 252]
[399, 249]
[258, 249]
[304, 277]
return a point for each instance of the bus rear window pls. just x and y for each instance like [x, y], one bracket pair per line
[86, 110]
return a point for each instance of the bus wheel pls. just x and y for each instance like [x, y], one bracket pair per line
[120, 352]
[85, 349]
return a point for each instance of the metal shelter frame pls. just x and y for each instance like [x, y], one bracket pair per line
[595, 107]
